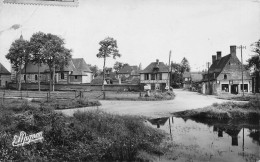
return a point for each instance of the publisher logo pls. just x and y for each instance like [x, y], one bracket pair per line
[23, 139]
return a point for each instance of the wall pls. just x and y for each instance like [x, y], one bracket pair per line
[4, 79]
[111, 87]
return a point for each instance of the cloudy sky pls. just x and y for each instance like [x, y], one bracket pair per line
[146, 30]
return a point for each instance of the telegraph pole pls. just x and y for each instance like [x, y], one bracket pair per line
[242, 68]
[208, 78]
[169, 69]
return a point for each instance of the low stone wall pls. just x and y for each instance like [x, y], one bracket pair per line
[87, 87]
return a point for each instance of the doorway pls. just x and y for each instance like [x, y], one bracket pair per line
[234, 89]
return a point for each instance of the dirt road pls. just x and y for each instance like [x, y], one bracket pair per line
[184, 100]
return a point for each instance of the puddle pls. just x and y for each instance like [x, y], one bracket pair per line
[210, 140]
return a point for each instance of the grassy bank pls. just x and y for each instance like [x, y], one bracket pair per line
[88, 136]
[227, 110]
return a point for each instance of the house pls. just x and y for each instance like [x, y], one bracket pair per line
[225, 75]
[128, 73]
[76, 72]
[155, 76]
[191, 77]
[5, 76]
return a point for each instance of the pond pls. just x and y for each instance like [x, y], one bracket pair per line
[209, 140]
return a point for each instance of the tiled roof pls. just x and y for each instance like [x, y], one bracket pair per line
[186, 74]
[162, 68]
[129, 69]
[196, 76]
[218, 66]
[81, 65]
[76, 65]
[3, 70]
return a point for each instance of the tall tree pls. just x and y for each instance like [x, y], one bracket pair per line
[185, 66]
[108, 48]
[18, 55]
[37, 43]
[56, 56]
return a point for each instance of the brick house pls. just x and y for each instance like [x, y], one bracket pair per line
[225, 75]
[155, 75]
[5, 76]
[76, 72]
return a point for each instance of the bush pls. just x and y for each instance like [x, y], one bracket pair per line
[87, 136]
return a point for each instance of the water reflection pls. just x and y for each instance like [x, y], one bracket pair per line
[214, 140]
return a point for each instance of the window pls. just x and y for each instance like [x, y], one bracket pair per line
[62, 76]
[146, 76]
[225, 76]
[224, 88]
[152, 76]
[159, 76]
[24, 77]
[36, 77]
[245, 87]
[76, 77]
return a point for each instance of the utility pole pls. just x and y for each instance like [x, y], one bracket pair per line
[242, 68]
[208, 78]
[169, 69]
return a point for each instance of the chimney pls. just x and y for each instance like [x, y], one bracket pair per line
[214, 57]
[218, 55]
[233, 50]
[157, 61]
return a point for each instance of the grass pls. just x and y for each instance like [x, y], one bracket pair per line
[155, 96]
[238, 97]
[87, 136]
[227, 110]
[66, 104]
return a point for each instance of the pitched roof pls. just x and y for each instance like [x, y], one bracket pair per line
[129, 70]
[161, 68]
[81, 65]
[218, 66]
[3, 70]
[77, 66]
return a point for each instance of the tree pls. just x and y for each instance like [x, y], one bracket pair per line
[108, 48]
[18, 55]
[254, 62]
[119, 65]
[176, 79]
[56, 56]
[95, 70]
[185, 66]
[37, 43]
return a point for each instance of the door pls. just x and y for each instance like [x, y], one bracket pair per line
[234, 89]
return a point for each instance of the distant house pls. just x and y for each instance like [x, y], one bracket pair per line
[128, 73]
[5, 76]
[76, 72]
[155, 75]
[225, 75]
[191, 77]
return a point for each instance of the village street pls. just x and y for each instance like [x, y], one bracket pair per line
[184, 100]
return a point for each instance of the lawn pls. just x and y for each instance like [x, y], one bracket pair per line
[87, 136]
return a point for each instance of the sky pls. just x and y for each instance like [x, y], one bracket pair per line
[145, 30]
